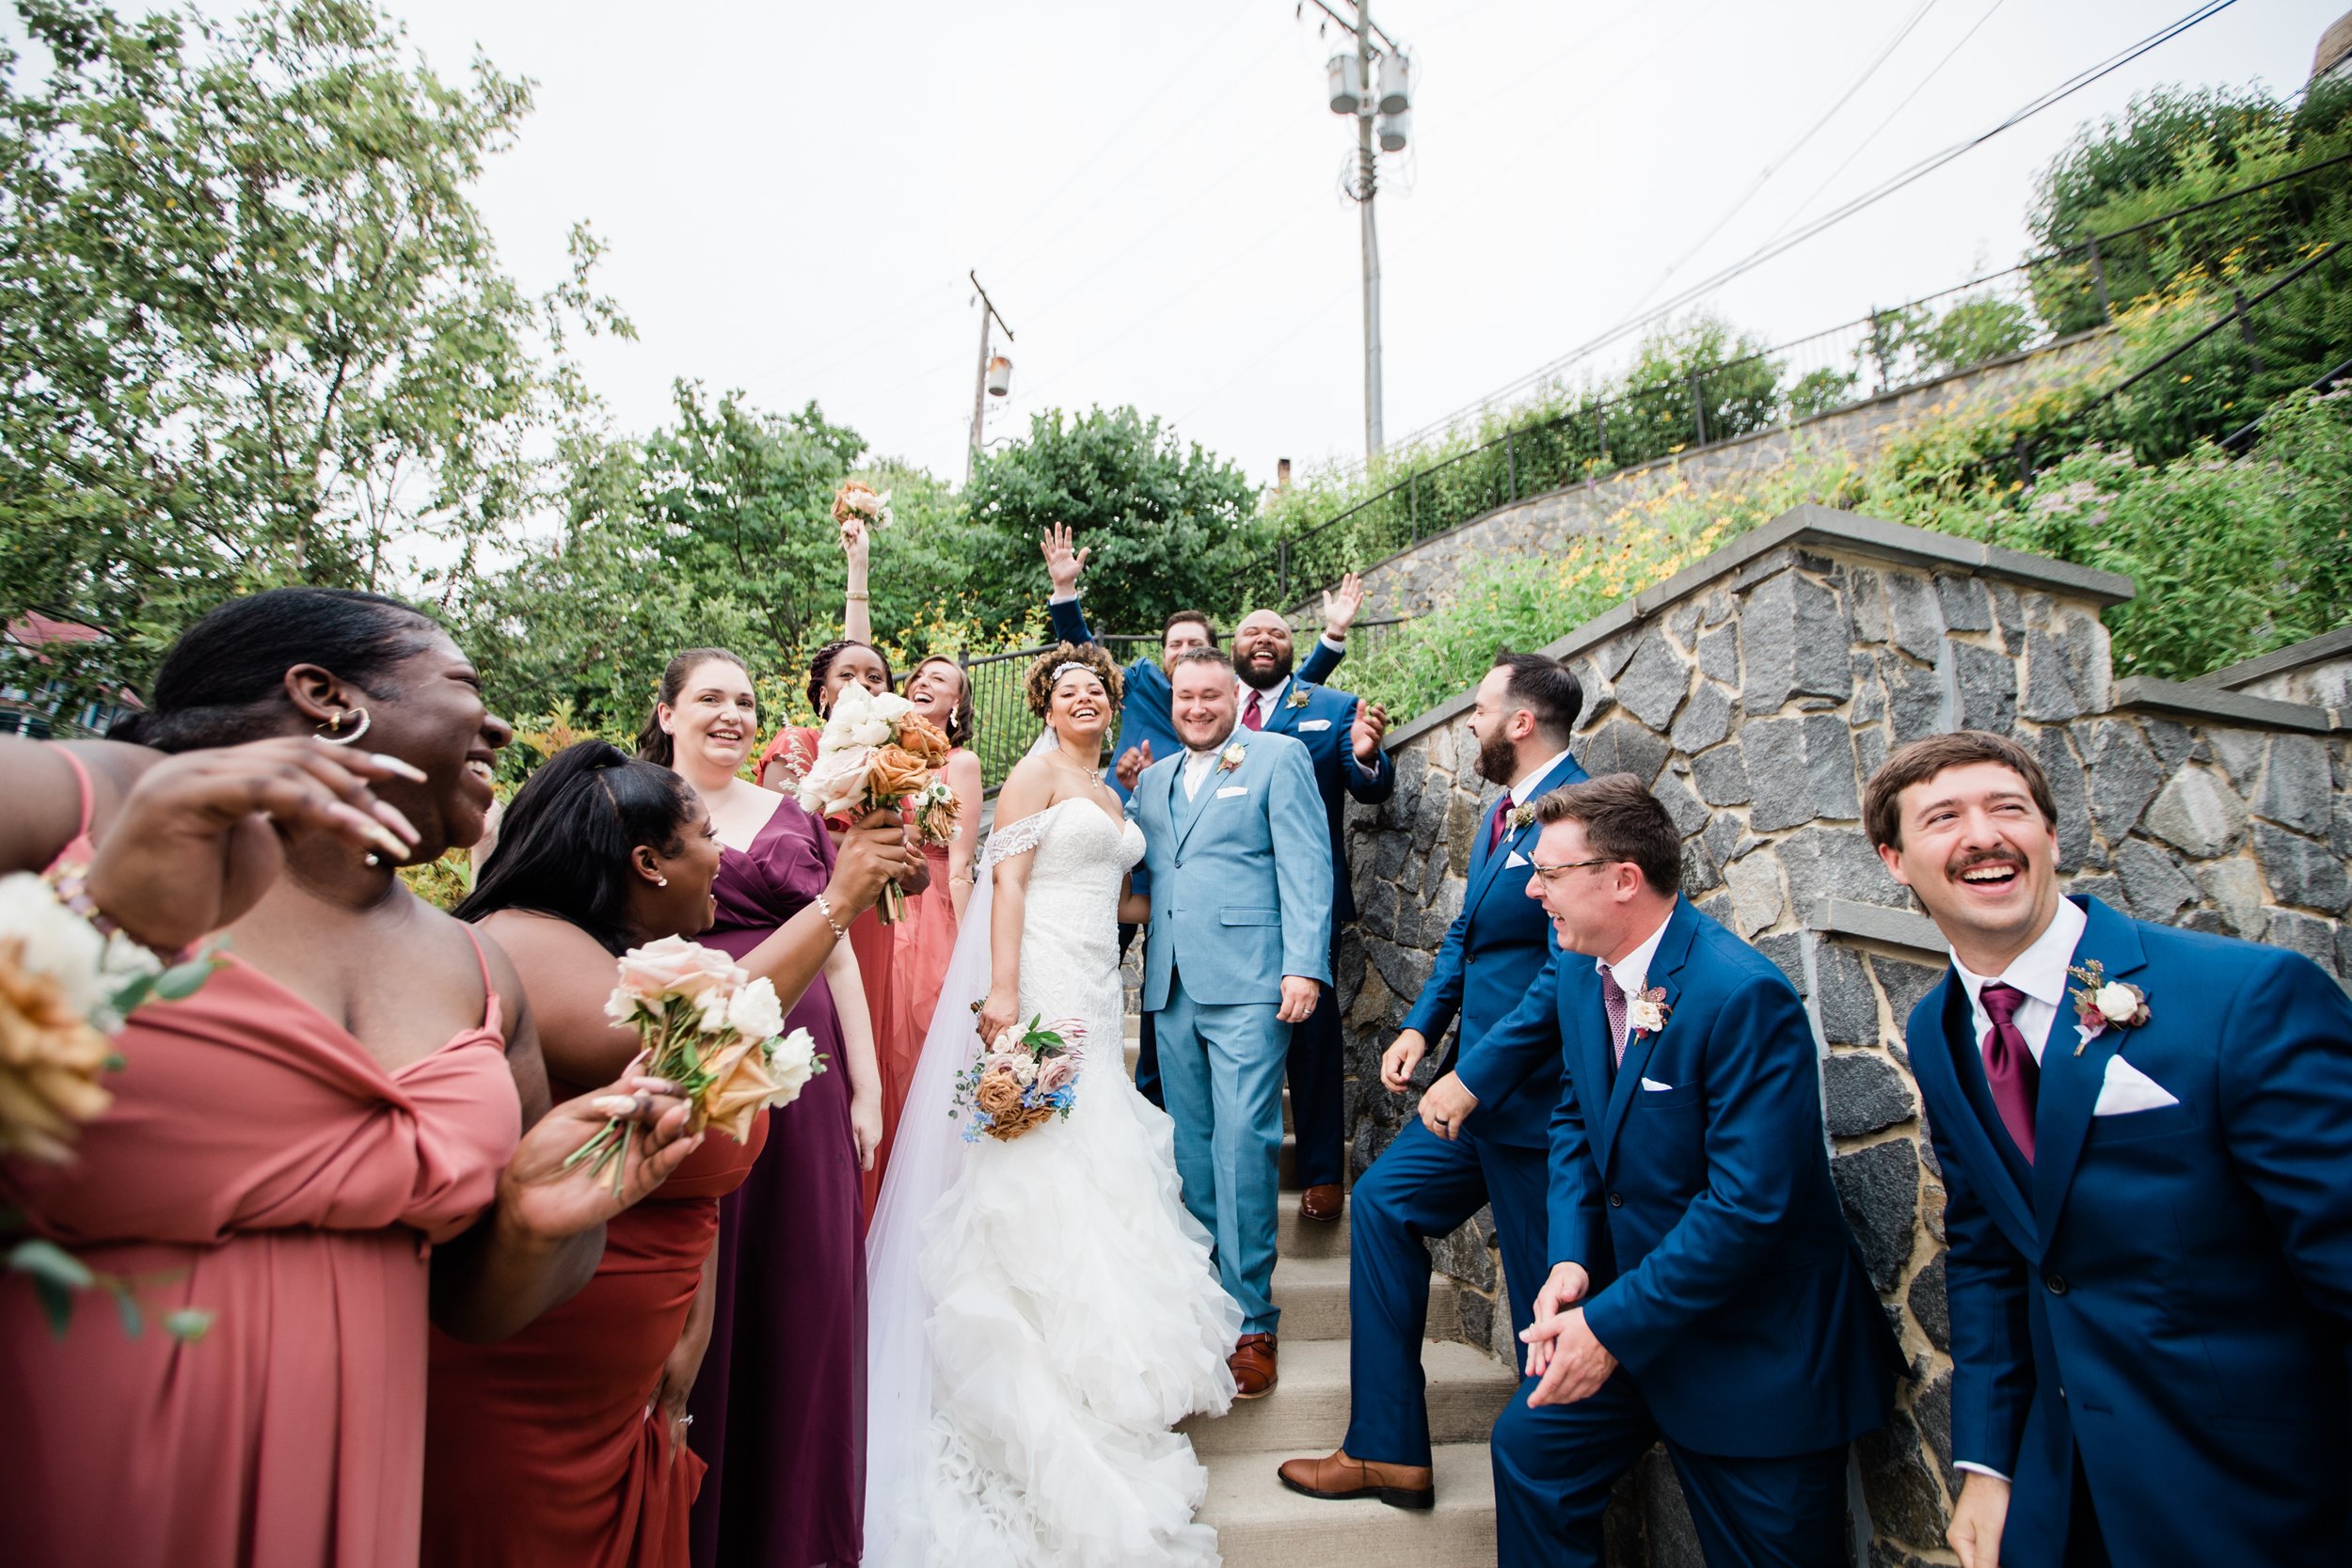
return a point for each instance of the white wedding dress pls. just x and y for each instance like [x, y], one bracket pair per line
[1044, 1310]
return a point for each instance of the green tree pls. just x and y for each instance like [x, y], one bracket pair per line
[1169, 523]
[254, 330]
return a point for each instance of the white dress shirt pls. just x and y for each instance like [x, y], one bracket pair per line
[2040, 971]
[1632, 977]
[1267, 699]
[1197, 766]
[1518, 791]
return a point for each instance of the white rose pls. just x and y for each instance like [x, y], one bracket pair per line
[57, 943]
[836, 782]
[890, 707]
[754, 1011]
[2117, 1001]
[1645, 1015]
[714, 1018]
[793, 1062]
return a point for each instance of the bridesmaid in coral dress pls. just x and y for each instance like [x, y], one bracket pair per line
[323, 1145]
[941, 692]
[564, 1447]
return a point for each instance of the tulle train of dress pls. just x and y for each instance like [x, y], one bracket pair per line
[1073, 1315]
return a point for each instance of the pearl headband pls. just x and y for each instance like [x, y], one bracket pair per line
[1063, 668]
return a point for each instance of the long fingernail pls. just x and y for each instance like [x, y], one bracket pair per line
[616, 1104]
[400, 766]
[385, 838]
[394, 818]
[653, 1086]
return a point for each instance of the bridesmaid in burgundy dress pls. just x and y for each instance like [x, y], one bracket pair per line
[780, 1407]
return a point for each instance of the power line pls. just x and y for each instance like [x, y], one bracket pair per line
[1918, 171]
[1765, 174]
[1876, 131]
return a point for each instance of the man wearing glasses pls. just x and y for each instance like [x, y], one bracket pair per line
[1704, 1288]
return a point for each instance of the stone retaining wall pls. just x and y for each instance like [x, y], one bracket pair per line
[1414, 582]
[1755, 693]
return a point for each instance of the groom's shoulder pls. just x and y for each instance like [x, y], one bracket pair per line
[1276, 745]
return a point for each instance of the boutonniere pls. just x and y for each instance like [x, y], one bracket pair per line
[1231, 757]
[1521, 816]
[2101, 1003]
[1645, 1014]
[1297, 697]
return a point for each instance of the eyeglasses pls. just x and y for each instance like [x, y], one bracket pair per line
[1548, 872]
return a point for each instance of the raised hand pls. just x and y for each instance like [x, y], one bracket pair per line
[1341, 606]
[1372, 724]
[1063, 561]
[1132, 762]
[856, 542]
[1398, 1062]
[201, 835]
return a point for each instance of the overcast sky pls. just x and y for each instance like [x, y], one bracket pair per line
[793, 191]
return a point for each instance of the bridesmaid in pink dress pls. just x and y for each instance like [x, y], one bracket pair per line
[326, 1145]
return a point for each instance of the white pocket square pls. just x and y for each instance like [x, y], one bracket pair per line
[1517, 858]
[1654, 1084]
[2127, 1089]
[1230, 790]
[1315, 723]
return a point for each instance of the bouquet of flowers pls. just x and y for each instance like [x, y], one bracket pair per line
[65, 989]
[876, 753]
[1027, 1076]
[856, 508]
[711, 1029]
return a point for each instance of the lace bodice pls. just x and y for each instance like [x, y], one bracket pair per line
[1070, 928]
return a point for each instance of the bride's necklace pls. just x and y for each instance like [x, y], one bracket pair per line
[1093, 776]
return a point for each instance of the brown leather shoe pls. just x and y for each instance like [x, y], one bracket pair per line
[1321, 1202]
[1252, 1362]
[1339, 1478]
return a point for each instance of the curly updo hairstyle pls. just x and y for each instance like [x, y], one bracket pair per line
[820, 665]
[1039, 685]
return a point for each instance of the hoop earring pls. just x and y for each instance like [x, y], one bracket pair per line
[334, 736]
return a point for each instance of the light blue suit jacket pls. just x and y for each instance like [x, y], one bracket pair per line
[1241, 875]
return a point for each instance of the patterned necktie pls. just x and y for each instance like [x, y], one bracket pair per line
[2009, 1066]
[1612, 1000]
[1250, 716]
[1494, 829]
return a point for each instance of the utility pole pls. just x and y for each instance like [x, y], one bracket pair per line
[979, 380]
[1367, 186]
[1355, 91]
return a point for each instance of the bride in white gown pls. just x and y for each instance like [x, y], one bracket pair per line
[1043, 1310]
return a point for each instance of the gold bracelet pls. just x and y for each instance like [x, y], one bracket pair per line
[824, 906]
[859, 598]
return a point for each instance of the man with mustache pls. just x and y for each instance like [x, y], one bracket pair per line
[1440, 1171]
[2148, 1178]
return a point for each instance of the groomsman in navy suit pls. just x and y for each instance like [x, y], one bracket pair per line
[1438, 1173]
[2146, 1143]
[1704, 1288]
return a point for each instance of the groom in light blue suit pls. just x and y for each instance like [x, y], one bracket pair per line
[1239, 951]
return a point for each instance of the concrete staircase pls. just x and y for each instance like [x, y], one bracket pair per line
[1261, 1523]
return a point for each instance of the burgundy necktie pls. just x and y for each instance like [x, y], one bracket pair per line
[2009, 1066]
[1612, 1000]
[1249, 715]
[1494, 829]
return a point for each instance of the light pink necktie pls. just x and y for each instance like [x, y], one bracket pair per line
[1613, 998]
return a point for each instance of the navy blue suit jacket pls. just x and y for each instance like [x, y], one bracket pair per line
[1325, 721]
[1145, 711]
[2164, 1292]
[1723, 1276]
[1494, 951]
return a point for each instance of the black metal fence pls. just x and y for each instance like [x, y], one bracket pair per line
[2071, 290]
[1006, 729]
